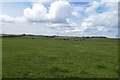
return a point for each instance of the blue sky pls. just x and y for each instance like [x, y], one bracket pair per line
[63, 17]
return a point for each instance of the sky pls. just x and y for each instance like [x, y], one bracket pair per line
[62, 17]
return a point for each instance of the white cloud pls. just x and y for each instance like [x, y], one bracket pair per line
[102, 21]
[76, 14]
[5, 18]
[74, 30]
[92, 9]
[101, 28]
[110, 1]
[20, 19]
[99, 22]
[37, 13]
[9, 19]
[58, 12]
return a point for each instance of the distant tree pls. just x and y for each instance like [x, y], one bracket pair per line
[23, 34]
[53, 36]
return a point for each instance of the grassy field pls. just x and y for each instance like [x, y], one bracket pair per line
[38, 57]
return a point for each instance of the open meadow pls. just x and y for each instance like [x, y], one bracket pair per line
[44, 57]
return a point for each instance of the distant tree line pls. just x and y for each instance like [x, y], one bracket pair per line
[54, 36]
[94, 37]
[12, 35]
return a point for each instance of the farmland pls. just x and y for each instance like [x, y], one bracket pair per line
[41, 57]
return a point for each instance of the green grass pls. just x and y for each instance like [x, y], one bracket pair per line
[24, 57]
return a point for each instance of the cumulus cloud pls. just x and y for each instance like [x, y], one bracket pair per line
[57, 13]
[36, 13]
[106, 21]
[60, 10]
[102, 21]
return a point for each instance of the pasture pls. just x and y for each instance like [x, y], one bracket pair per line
[41, 57]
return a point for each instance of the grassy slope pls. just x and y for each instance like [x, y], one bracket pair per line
[26, 57]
